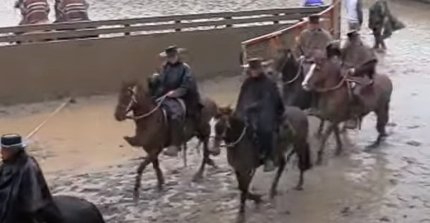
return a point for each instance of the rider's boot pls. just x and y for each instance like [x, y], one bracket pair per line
[176, 138]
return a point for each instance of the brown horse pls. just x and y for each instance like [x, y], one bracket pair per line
[244, 156]
[152, 128]
[327, 77]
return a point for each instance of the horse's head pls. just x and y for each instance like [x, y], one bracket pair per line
[222, 124]
[131, 94]
[319, 71]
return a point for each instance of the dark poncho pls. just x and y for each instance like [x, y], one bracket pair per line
[260, 98]
[23, 190]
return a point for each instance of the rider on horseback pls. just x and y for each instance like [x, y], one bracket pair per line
[313, 38]
[25, 196]
[260, 105]
[176, 81]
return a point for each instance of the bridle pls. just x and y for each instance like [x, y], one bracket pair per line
[344, 80]
[235, 142]
[133, 102]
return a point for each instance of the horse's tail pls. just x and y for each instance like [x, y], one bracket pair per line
[305, 160]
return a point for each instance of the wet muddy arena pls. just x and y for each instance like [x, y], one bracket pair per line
[82, 152]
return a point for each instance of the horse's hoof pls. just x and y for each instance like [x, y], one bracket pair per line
[198, 178]
[273, 194]
[318, 162]
[338, 152]
[241, 216]
[136, 198]
[299, 187]
[214, 152]
[131, 141]
[211, 163]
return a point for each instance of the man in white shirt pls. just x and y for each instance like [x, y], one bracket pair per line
[354, 13]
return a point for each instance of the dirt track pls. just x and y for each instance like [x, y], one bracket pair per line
[83, 154]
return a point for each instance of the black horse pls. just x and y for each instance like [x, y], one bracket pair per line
[293, 72]
[77, 210]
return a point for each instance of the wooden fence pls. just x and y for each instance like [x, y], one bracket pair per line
[266, 46]
[152, 25]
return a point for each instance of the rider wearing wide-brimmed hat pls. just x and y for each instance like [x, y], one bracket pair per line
[261, 105]
[25, 196]
[176, 81]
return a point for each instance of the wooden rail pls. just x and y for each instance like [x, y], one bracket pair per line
[266, 46]
[155, 24]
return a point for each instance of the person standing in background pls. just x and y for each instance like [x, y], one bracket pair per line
[354, 14]
[314, 3]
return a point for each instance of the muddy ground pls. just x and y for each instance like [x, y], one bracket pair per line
[82, 152]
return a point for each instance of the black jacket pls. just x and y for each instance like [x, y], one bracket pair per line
[260, 98]
[179, 78]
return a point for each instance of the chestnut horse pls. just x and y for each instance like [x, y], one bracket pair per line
[335, 103]
[152, 128]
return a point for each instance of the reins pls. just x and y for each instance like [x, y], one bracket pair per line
[238, 140]
[299, 71]
[147, 114]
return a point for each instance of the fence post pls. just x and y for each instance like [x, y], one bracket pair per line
[178, 22]
[127, 33]
[276, 21]
[228, 21]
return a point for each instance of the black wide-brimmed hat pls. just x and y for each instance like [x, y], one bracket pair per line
[12, 141]
[314, 19]
[171, 51]
[254, 63]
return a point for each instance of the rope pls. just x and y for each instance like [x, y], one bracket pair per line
[299, 71]
[61, 107]
[237, 140]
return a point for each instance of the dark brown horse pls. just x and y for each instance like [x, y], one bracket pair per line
[327, 77]
[244, 156]
[152, 127]
[293, 72]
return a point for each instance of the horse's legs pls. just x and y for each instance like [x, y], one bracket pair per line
[184, 154]
[159, 173]
[244, 179]
[275, 182]
[305, 163]
[382, 117]
[199, 175]
[140, 169]
[325, 136]
[338, 140]
[320, 128]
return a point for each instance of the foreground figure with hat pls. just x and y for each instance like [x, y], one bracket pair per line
[24, 194]
[176, 81]
[260, 105]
